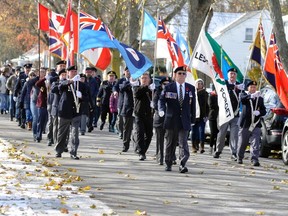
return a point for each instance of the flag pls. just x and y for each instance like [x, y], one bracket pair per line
[204, 59]
[99, 57]
[43, 18]
[275, 73]
[165, 42]
[95, 34]
[180, 40]
[259, 47]
[70, 32]
[149, 27]
[56, 46]
[223, 60]
[269, 71]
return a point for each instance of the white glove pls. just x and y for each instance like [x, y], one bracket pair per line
[256, 94]
[161, 113]
[15, 99]
[256, 113]
[152, 104]
[78, 94]
[134, 82]
[47, 77]
[240, 86]
[76, 78]
[152, 86]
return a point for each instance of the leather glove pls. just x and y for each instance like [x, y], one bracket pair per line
[161, 113]
[256, 94]
[240, 86]
[15, 99]
[76, 78]
[152, 86]
[78, 94]
[256, 113]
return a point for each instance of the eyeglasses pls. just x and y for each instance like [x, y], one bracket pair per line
[182, 73]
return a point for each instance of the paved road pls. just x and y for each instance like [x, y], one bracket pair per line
[127, 185]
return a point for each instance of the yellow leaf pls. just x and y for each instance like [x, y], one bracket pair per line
[166, 202]
[276, 187]
[100, 151]
[86, 188]
[260, 213]
[93, 206]
[72, 170]
[101, 161]
[138, 212]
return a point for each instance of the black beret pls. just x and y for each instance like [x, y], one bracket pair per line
[61, 62]
[126, 68]
[72, 67]
[181, 68]
[18, 68]
[62, 71]
[91, 68]
[232, 70]
[27, 65]
[165, 79]
[251, 83]
[112, 73]
[82, 75]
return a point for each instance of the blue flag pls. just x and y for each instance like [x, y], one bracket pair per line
[135, 61]
[149, 27]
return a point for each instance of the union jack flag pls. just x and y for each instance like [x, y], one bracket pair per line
[90, 22]
[56, 45]
[174, 49]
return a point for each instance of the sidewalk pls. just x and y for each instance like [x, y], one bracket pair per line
[29, 188]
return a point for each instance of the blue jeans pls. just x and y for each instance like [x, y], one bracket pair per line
[3, 101]
[34, 111]
[42, 119]
[28, 115]
[198, 131]
[12, 105]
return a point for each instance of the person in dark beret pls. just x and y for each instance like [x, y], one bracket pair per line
[253, 109]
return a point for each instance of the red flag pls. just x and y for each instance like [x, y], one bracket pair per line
[277, 75]
[43, 18]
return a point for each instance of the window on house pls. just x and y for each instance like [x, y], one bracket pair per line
[249, 34]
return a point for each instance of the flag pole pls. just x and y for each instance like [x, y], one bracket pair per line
[78, 17]
[142, 25]
[155, 46]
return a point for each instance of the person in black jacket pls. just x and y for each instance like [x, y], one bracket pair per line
[253, 109]
[103, 98]
[72, 94]
[212, 117]
[143, 114]
[198, 130]
[158, 121]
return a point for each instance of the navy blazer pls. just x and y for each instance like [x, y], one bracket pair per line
[175, 116]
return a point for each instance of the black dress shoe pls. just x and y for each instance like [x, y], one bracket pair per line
[234, 157]
[102, 126]
[58, 155]
[124, 150]
[183, 169]
[142, 157]
[240, 161]
[74, 157]
[216, 155]
[90, 129]
[66, 150]
[256, 163]
[168, 168]
[174, 162]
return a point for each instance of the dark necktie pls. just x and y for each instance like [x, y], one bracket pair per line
[180, 96]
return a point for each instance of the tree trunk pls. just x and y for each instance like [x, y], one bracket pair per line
[276, 16]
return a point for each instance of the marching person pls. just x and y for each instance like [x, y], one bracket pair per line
[234, 89]
[72, 93]
[103, 98]
[253, 109]
[158, 121]
[198, 130]
[143, 114]
[125, 108]
[177, 103]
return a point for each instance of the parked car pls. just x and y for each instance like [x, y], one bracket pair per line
[284, 143]
[272, 123]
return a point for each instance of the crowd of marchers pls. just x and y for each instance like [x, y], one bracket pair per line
[63, 103]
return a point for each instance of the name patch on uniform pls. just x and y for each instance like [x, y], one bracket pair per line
[171, 95]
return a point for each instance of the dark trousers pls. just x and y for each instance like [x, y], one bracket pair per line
[104, 111]
[127, 131]
[213, 133]
[174, 136]
[143, 133]
[41, 122]
[160, 133]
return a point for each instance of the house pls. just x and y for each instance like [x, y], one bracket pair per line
[237, 37]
